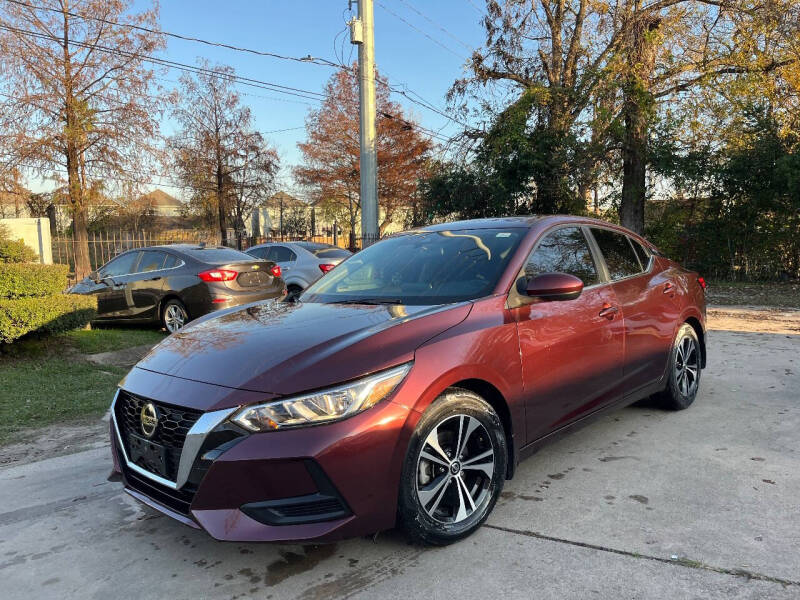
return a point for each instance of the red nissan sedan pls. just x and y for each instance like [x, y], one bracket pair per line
[405, 386]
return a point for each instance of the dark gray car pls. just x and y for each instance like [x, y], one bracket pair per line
[177, 283]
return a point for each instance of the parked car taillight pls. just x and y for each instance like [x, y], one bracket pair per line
[218, 275]
[702, 282]
[326, 268]
[276, 271]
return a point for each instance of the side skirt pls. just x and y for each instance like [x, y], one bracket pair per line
[641, 394]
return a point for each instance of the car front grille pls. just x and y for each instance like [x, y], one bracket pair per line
[174, 424]
[254, 279]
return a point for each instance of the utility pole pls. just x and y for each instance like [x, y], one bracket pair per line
[362, 33]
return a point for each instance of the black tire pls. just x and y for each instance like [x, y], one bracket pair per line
[683, 370]
[443, 522]
[170, 315]
[293, 291]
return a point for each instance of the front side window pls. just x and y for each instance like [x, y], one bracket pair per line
[618, 252]
[563, 251]
[421, 267]
[122, 265]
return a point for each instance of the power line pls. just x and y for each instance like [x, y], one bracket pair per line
[435, 24]
[307, 59]
[475, 6]
[420, 31]
[273, 87]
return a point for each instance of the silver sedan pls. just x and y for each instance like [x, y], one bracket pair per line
[301, 263]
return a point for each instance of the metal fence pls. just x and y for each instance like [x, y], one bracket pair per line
[106, 245]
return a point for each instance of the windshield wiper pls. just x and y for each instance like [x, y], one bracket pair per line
[369, 301]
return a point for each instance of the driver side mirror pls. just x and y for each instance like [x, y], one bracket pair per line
[554, 286]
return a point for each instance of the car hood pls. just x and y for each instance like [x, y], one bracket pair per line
[285, 348]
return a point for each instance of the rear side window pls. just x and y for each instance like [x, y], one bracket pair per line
[151, 261]
[563, 251]
[171, 261]
[641, 253]
[618, 252]
[281, 254]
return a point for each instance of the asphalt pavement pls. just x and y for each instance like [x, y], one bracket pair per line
[641, 504]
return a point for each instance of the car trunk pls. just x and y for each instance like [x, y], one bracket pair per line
[252, 276]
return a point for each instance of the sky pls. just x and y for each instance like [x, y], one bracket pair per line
[422, 44]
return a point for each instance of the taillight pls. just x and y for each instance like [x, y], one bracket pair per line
[702, 282]
[218, 275]
[326, 268]
[276, 271]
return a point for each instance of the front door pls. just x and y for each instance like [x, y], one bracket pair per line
[571, 350]
[146, 284]
[112, 295]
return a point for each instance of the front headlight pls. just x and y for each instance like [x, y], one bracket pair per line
[323, 406]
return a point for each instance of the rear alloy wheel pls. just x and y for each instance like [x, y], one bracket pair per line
[174, 316]
[683, 371]
[454, 470]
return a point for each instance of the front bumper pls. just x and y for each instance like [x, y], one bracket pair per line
[324, 483]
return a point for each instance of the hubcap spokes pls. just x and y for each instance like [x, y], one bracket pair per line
[454, 469]
[687, 366]
[175, 318]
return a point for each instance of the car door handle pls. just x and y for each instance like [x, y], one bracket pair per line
[668, 288]
[154, 278]
[608, 311]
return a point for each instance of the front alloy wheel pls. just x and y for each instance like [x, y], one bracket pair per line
[454, 470]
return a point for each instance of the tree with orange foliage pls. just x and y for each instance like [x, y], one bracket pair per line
[331, 153]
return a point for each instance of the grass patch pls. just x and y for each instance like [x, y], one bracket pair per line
[47, 381]
[40, 392]
[94, 341]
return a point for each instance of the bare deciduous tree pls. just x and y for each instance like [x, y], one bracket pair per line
[75, 103]
[228, 166]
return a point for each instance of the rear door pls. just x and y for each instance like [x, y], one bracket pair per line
[571, 350]
[283, 256]
[646, 297]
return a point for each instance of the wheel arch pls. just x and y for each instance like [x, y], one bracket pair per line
[701, 336]
[166, 298]
[497, 401]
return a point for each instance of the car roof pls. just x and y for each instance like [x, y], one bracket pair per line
[487, 223]
[525, 221]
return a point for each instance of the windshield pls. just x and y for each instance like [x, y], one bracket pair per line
[421, 267]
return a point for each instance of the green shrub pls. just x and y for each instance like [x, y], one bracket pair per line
[51, 314]
[32, 280]
[16, 252]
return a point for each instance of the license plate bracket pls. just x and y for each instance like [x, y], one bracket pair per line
[148, 455]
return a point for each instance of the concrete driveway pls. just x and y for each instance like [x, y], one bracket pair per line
[641, 504]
